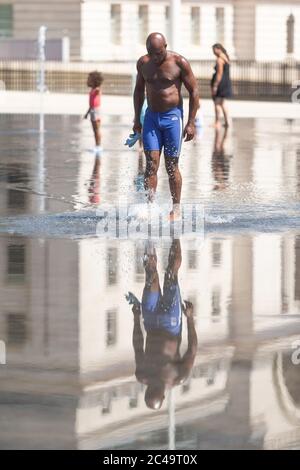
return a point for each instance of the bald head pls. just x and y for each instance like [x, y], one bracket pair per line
[154, 395]
[156, 40]
[156, 45]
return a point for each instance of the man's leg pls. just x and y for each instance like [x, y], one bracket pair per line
[150, 266]
[151, 292]
[172, 140]
[171, 300]
[174, 261]
[152, 142]
[152, 165]
[175, 183]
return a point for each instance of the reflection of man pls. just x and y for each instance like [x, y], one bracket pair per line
[159, 365]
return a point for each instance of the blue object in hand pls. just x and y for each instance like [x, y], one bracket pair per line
[132, 139]
[132, 299]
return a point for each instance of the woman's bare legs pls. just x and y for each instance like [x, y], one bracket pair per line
[225, 112]
[218, 112]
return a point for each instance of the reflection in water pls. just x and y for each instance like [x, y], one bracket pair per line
[220, 160]
[139, 178]
[69, 356]
[16, 177]
[94, 186]
[159, 365]
[286, 376]
[70, 380]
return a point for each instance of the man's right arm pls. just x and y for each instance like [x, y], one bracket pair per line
[138, 97]
[188, 359]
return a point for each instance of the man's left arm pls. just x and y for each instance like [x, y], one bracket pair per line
[189, 81]
[138, 341]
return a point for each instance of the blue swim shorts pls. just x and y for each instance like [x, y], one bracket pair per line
[163, 130]
[163, 311]
[143, 112]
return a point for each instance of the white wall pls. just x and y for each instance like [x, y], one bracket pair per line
[271, 31]
[96, 34]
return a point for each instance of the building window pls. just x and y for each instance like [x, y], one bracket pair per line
[106, 403]
[290, 24]
[16, 329]
[17, 199]
[167, 22]
[6, 21]
[115, 23]
[111, 266]
[139, 268]
[220, 25]
[195, 26]
[133, 402]
[16, 263]
[111, 327]
[216, 305]
[143, 23]
[216, 254]
[192, 259]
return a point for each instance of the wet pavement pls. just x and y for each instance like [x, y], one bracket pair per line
[81, 371]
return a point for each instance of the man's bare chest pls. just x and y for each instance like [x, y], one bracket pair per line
[167, 74]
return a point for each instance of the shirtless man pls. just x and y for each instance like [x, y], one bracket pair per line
[163, 72]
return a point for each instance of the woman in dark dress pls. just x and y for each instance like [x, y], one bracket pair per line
[221, 84]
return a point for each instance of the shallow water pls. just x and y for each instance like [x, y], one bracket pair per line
[70, 378]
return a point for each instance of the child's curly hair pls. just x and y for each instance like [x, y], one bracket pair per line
[97, 78]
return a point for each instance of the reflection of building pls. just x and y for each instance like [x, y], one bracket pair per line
[70, 360]
[275, 396]
[247, 28]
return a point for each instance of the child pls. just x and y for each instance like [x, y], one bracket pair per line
[94, 81]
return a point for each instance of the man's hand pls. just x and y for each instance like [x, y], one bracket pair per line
[189, 131]
[132, 139]
[137, 127]
[132, 299]
[86, 115]
[188, 309]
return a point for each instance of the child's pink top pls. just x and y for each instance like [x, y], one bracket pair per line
[95, 98]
